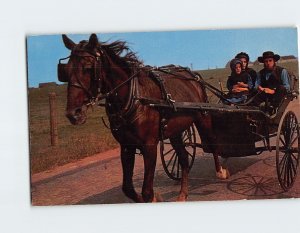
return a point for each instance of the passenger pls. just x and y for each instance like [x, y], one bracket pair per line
[272, 81]
[244, 57]
[239, 83]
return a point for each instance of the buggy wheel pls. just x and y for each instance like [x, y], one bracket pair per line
[169, 156]
[287, 150]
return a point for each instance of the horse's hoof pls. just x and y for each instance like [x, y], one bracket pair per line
[139, 199]
[157, 198]
[181, 198]
[223, 174]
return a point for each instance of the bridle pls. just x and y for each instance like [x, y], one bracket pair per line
[97, 77]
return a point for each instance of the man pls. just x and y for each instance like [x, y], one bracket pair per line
[244, 58]
[272, 81]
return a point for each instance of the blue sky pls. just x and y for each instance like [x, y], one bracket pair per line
[201, 48]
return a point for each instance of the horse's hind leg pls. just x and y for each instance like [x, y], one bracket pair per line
[180, 150]
[204, 127]
[128, 159]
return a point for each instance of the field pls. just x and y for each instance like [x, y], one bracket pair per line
[76, 142]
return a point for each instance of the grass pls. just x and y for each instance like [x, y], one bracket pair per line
[77, 142]
[74, 142]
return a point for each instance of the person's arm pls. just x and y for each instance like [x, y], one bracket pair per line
[253, 75]
[285, 79]
[260, 88]
[257, 81]
[229, 85]
[250, 84]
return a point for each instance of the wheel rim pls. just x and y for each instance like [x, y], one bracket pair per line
[287, 150]
[169, 157]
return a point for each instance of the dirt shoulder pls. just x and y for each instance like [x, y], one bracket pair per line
[67, 168]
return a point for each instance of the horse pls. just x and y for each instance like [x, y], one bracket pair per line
[111, 71]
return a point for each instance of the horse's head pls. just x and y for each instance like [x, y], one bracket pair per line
[82, 73]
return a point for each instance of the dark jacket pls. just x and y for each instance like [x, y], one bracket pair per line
[274, 80]
[252, 74]
[233, 79]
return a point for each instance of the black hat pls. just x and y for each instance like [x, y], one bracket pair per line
[268, 54]
[242, 55]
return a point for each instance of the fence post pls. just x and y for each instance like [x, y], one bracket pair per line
[53, 119]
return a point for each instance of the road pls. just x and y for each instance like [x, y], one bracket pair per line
[98, 179]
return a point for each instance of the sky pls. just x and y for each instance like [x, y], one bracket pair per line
[197, 49]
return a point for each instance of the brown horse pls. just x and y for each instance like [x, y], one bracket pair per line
[112, 70]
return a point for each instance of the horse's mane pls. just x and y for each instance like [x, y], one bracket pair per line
[120, 49]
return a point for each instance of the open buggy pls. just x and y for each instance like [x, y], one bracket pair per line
[242, 130]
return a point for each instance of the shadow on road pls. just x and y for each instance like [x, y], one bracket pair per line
[202, 182]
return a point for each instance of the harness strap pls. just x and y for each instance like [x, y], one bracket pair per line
[124, 116]
[198, 78]
[166, 96]
[111, 92]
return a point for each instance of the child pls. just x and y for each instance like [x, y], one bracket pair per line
[239, 83]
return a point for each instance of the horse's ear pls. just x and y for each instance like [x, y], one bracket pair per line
[93, 41]
[68, 42]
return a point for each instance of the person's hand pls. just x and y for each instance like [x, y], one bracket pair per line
[269, 91]
[241, 84]
[260, 88]
[239, 89]
[266, 90]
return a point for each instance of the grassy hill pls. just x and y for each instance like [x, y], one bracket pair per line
[76, 142]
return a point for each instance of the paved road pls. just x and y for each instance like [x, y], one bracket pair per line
[98, 179]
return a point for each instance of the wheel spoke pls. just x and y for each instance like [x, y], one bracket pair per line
[288, 170]
[291, 173]
[284, 159]
[282, 141]
[172, 157]
[184, 135]
[178, 169]
[172, 171]
[285, 174]
[187, 139]
[296, 158]
[165, 154]
[293, 165]
[294, 128]
[190, 155]
[294, 140]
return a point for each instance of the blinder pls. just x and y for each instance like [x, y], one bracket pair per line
[62, 71]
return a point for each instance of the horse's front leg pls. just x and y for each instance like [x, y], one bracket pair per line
[128, 159]
[178, 146]
[150, 156]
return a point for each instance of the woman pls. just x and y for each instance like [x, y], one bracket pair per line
[239, 83]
